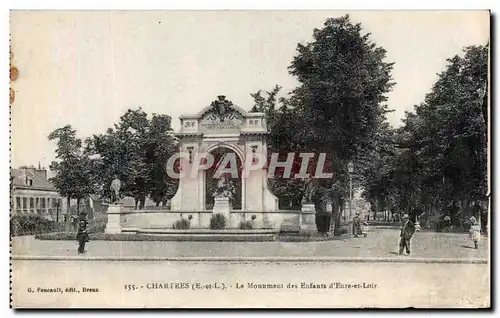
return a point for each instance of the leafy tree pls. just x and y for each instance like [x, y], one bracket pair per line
[441, 158]
[338, 108]
[343, 85]
[161, 145]
[73, 177]
[280, 120]
[136, 150]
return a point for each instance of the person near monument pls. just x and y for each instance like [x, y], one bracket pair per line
[335, 198]
[356, 225]
[407, 231]
[475, 231]
[82, 236]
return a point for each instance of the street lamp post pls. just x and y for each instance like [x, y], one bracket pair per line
[350, 169]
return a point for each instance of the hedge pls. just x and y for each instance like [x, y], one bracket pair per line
[182, 224]
[218, 222]
[32, 224]
[246, 225]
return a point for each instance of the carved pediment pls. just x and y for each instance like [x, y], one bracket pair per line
[221, 115]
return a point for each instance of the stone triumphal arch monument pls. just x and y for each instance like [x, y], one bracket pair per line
[219, 129]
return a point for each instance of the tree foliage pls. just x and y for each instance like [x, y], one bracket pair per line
[135, 150]
[441, 159]
[73, 174]
[338, 108]
[343, 85]
[73, 177]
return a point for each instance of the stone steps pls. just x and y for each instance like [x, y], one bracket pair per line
[206, 232]
[203, 235]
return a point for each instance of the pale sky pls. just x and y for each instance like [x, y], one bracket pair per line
[87, 68]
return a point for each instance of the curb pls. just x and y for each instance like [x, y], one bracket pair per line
[311, 259]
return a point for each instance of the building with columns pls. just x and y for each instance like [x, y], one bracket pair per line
[32, 193]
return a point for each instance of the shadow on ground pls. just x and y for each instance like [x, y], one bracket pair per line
[467, 246]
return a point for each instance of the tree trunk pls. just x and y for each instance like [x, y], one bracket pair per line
[77, 207]
[68, 216]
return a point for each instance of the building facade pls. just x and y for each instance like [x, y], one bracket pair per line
[33, 194]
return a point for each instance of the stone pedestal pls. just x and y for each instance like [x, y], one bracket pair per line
[308, 218]
[114, 225]
[222, 206]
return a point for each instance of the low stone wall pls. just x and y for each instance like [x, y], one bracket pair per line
[201, 219]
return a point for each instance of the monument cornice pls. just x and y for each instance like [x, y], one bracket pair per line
[248, 132]
[188, 134]
[221, 101]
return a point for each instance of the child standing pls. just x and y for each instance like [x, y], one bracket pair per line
[475, 231]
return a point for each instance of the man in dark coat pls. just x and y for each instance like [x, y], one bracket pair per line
[82, 236]
[407, 230]
[356, 225]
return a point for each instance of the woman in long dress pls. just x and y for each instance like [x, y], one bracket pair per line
[475, 231]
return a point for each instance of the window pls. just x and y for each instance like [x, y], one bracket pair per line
[32, 203]
[18, 203]
[25, 204]
[29, 182]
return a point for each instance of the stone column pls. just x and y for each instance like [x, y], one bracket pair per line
[15, 207]
[48, 212]
[114, 225]
[44, 209]
[417, 223]
[307, 216]
[222, 206]
[201, 190]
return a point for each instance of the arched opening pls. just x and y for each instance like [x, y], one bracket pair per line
[211, 180]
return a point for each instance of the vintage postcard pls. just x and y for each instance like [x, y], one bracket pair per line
[250, 159]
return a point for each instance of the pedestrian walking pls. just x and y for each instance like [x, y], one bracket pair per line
[407, 231]
[356, 225]
[82, 236]
[475, 231]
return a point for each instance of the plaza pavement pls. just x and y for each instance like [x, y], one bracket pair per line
[381, 245]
